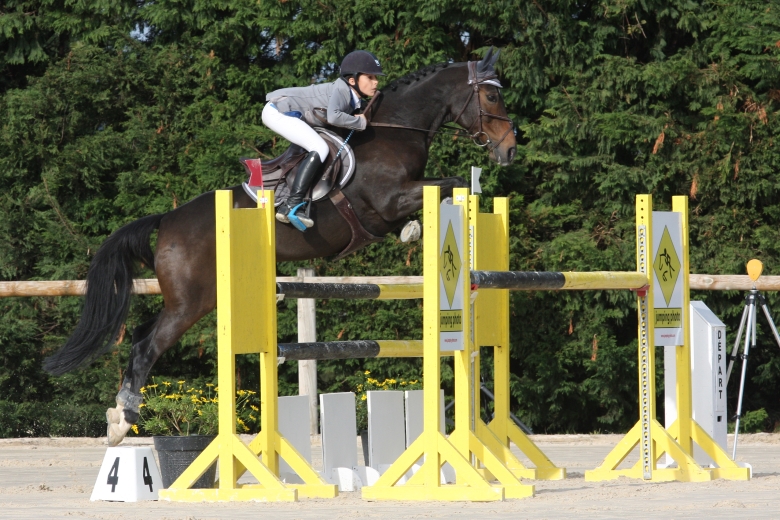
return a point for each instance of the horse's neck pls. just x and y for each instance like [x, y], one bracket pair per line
[422, 104]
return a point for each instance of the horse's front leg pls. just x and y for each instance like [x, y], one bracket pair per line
[409, 199]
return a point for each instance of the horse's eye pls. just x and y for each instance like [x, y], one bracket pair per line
[492, 98]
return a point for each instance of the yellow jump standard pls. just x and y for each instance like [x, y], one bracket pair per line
[246, 323]
[653, 439]
[467, 440]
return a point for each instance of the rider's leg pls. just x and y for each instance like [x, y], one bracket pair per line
[308, 170]
[300, 133]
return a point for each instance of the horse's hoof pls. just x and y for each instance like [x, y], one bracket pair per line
[411, 232]
[116, 432]
[114, 415]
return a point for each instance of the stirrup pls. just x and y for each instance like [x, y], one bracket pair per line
[300, 223]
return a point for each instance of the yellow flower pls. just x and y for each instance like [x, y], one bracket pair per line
[181, 382]
[209, 384]
[134, 428]
[141, 405]
[242, 393]
[403, 383]
[253, 407]
[367, 372]
[363, 397]
[166, 383]
[143, 389]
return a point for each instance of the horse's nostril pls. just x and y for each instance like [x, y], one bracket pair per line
[511, 154]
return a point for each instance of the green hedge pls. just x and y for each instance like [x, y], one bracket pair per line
[56, 419]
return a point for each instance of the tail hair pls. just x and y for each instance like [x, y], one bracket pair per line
[107, 300]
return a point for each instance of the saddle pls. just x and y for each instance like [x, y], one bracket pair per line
[278, 173]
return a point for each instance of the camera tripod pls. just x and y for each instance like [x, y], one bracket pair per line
[752, 300]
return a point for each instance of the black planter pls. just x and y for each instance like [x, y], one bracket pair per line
[177, 453]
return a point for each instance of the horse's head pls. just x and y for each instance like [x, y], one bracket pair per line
[484, 114]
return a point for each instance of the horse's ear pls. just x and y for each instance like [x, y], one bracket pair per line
[487, 63]
[495, 57]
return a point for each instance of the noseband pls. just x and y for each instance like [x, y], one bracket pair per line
[477, 136]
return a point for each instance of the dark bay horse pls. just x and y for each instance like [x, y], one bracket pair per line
[386, 188]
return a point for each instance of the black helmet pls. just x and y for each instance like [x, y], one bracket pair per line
[360, 62]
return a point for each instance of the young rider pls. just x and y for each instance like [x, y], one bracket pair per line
[288, 110]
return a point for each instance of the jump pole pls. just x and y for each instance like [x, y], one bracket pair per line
[651, 437]
[246, 324]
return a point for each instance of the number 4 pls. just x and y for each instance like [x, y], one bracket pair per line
[113, 475]
[147, 475]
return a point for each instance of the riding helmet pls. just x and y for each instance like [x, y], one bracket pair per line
[360, 62]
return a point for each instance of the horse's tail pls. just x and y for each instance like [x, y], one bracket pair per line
[107, 300]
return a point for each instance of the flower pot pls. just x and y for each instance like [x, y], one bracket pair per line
[176, 453]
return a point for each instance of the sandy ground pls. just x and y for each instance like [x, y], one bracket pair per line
[53, 478]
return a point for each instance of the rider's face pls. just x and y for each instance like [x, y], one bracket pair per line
[367, 84]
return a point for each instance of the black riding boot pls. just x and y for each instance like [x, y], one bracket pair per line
[308, 170]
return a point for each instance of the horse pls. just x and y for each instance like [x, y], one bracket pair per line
[386, 188]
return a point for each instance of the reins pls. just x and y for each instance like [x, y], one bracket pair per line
[475, 137]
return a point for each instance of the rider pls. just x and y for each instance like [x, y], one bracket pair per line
[288, 111]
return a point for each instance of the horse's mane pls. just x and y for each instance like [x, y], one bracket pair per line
[417, 75]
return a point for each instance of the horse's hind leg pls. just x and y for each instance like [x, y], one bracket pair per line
[115, 416]
[161, 333]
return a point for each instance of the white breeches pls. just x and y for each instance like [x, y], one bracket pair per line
[295, 130]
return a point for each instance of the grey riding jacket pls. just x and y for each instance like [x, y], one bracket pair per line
[336, 97]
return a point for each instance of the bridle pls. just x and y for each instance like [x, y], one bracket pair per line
[478, 136]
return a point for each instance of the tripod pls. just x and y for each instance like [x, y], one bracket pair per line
[753, 299]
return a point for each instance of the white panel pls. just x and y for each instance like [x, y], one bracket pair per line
[414, 425]
[338, 425]
[386, 435]
[294, 426]
[414, 414]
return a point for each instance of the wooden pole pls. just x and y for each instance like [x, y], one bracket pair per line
[307, 369]
[698, 282]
